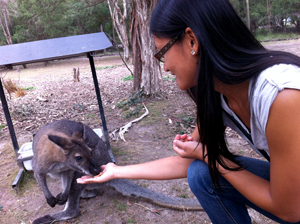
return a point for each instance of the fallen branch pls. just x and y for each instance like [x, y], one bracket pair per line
[113, 135]
[154, 211]
[125, 128]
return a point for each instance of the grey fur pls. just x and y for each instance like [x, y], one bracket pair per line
[56, 147]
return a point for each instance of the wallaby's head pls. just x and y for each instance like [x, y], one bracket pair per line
[79, 156]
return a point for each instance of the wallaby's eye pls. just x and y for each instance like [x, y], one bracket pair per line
[78, 158]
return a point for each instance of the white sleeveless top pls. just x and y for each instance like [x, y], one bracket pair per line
[262, 91]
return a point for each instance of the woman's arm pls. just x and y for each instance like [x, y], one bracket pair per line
[280, 196]
[163, 169]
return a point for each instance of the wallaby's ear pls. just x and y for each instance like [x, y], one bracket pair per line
[64, 143]
[77, 136]
[78, 132]
[89, 137]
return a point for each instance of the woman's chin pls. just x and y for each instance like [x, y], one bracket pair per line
[180, 86]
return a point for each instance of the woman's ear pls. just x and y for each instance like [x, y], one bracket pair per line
[192, 40]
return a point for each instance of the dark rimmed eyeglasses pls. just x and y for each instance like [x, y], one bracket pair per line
[160, 54]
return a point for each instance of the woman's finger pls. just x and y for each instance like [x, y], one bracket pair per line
[85, 180]
[86, 177]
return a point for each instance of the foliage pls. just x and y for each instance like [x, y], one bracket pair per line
[106, 67]
[30, 88]
[132, 106]
[2, 126]
[39, 20]
[263, 35]
[130, 221]
[122, 207]
[128, 78]
[281, 11]
[12, 87]
[133, 99]
[184, 122]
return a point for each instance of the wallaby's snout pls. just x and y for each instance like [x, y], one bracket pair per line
[82, 159]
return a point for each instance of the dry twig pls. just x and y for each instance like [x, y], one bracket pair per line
[153, 211]
[125, 128]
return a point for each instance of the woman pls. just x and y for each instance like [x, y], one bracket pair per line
[235, 82]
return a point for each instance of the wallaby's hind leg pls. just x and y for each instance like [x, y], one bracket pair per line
[71, 209]
[66, 180]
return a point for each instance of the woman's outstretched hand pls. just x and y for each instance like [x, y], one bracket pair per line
[106, 175]
[186, 147]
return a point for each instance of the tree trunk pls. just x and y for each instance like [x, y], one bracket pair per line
[248, 14]
[147, 73]
[4, 22]
[269, 15]
[119, 23]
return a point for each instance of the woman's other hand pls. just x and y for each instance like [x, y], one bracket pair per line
[188, 148]
[183, 138]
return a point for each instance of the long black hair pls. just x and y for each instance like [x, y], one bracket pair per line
[228, 51]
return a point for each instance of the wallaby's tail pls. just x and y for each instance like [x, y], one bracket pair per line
[129, 188]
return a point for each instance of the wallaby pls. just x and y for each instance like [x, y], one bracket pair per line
[69, 150]
[61, 148]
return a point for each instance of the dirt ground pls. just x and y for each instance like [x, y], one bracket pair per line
[52, 94]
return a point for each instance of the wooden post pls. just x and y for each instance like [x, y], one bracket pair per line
[269, 15]
[248, 14]
[101, 29]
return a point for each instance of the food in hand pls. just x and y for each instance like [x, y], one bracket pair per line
[99, 175]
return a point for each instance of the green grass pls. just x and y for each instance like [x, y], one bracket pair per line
[30, 88]
[184, 195]
[119, 152]
[132, 106]
[90, 115]
[184, 121]
[122, 207]
[127, 78]
[106, 67]
[2, 126]
[28, 183]
[263, 35]
[115, 203]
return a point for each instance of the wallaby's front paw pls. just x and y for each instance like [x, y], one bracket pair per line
[52, 201]
[61, 198]
[44, 220]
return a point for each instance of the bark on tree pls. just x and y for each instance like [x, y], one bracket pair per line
[119, 23]
[147, 72]
[269, 15]
[4, 21]
[248, 14]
